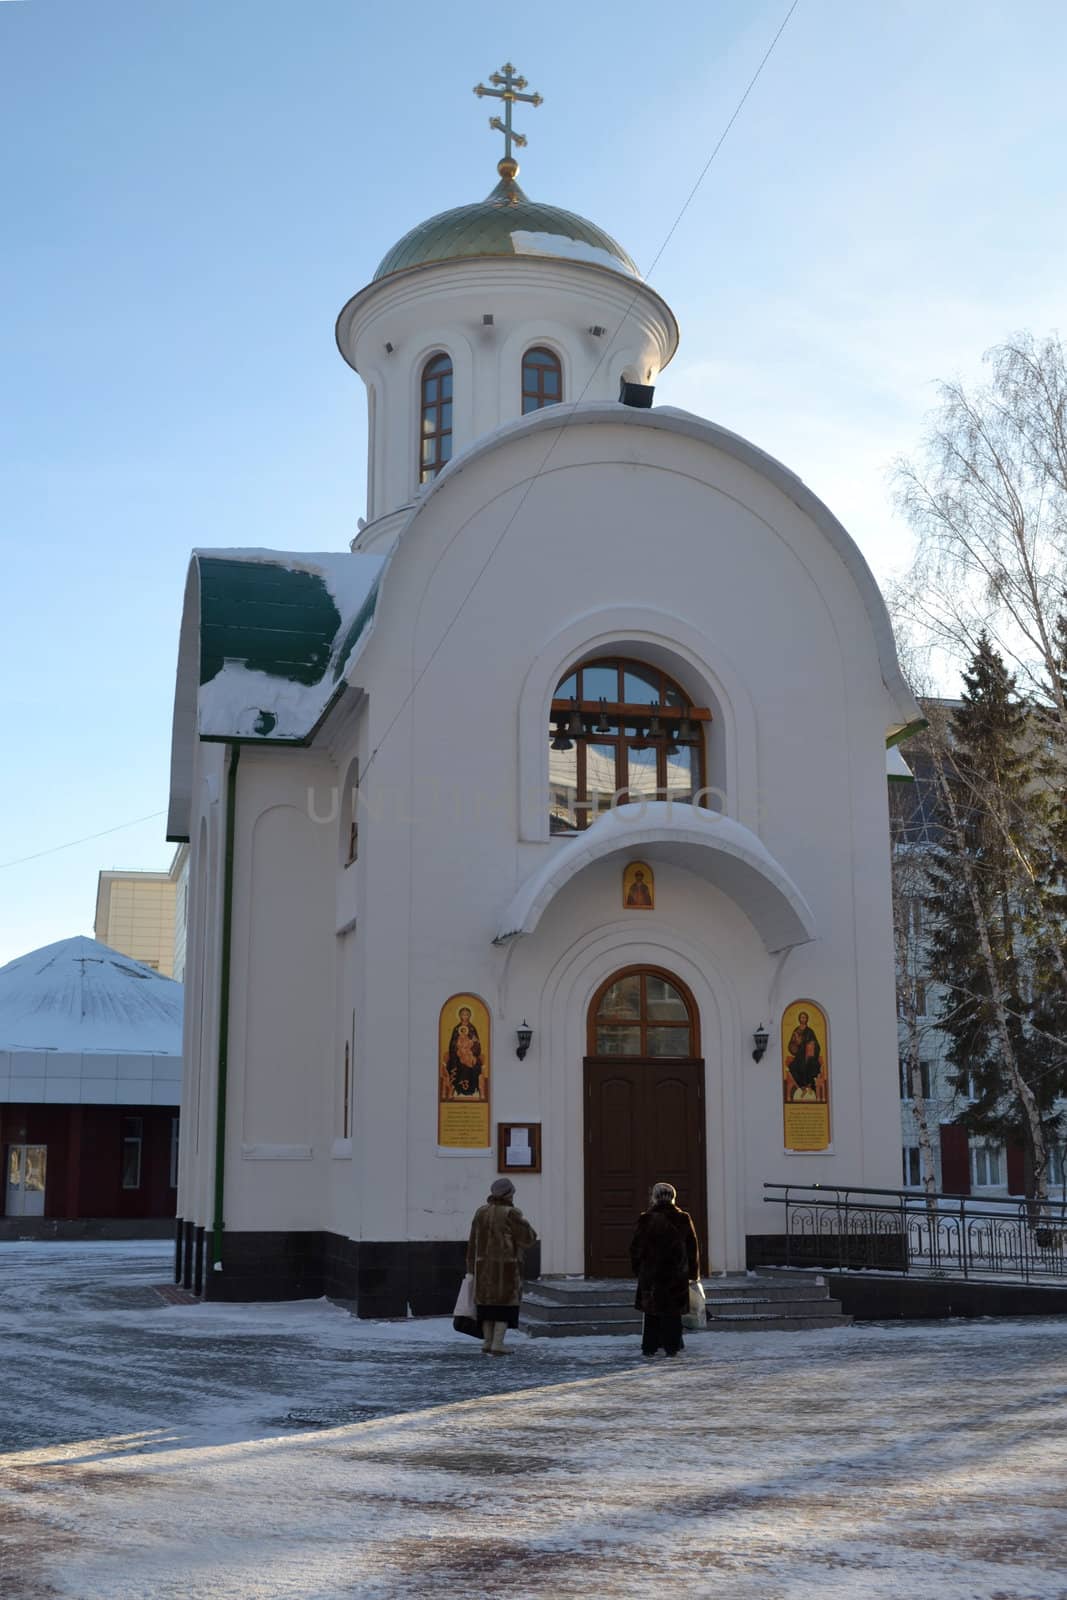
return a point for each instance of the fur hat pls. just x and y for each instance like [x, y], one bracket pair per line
[664, 1191]
[502, 1189]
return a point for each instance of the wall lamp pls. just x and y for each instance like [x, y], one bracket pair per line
[523, 1036]
[759, 1039]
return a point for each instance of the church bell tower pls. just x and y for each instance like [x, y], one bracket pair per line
[485, 313]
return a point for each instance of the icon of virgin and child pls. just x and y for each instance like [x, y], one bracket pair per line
[464, 1065]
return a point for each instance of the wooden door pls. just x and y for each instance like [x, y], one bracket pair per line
[644, 1111]
[644, 1124]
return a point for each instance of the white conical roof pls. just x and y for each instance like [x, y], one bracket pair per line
[78, 995]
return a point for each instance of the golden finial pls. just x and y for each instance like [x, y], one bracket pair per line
[508, 87]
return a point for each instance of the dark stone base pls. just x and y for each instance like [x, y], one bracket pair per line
[86, 1228]
[265, 1266]
[198, 1261]
[376, 1278]
[187, 1255]
[870, 1298]
[882, 1251]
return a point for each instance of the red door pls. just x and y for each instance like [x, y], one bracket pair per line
[644, 1124]
[644, 1112]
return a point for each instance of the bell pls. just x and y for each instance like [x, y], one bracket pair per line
[685, 729]
[602, 725]
[655, 731]
[561, 742]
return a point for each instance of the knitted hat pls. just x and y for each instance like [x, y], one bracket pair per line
[502, 1189]
[664, 1191]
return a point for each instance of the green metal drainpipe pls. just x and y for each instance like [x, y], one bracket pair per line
[224, 1010]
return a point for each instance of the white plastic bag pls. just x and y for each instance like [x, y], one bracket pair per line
[696, 1318]
[465, 1316]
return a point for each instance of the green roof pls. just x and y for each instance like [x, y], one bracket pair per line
[506, 223]
[277, 632]
[268, 617]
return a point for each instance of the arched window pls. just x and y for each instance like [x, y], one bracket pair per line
[542, 379]
[621, 730]
[435, 417]
[642, 1011]
[349, 811]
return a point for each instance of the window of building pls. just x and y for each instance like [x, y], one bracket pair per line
[643, 1012]
[174, 1152]
[1056, 1167]
[435, 417]
[132, 1141]
[986, 1166]
[621, 731]
[912, 1167]
[905, 1080]
[542, 380]
[346, 1086]
[350, 816]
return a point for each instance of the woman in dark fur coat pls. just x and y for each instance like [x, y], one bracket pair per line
[665, 1256]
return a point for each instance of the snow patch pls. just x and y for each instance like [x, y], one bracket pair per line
[285, 1451]
[527, 243]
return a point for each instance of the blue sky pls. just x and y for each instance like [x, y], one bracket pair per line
[193, 188]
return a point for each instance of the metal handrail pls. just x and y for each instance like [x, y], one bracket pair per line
[910, 1231]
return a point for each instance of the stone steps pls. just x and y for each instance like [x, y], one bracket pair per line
[565, 1308]
[773, 1323]
[570, 1307]
[775, 1303]
[587, 1327]
[726, 1293]
[602, 1310]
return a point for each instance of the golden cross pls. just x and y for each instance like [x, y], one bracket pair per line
[507, 89]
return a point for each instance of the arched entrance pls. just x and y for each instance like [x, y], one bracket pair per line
[644, 1111]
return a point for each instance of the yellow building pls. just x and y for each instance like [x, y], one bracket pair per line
[143, 915]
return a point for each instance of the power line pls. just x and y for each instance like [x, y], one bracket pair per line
[572, 416]
[51, 851]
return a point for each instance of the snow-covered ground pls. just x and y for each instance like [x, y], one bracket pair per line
[261, 1452]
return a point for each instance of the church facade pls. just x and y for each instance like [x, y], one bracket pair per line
[519, 830]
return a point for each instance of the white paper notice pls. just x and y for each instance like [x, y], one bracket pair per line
[519, 1153]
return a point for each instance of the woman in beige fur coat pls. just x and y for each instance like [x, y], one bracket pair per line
[499, 1235]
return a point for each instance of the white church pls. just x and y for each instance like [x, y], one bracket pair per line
[544, 832]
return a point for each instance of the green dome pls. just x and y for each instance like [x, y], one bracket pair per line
[506, 224]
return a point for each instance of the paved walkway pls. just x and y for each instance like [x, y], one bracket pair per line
[255, 1453]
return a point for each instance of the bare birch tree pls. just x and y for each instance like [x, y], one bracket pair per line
[987, 499]
[910, 888]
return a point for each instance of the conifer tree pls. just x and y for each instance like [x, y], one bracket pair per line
[1046, 926]
[986, 888]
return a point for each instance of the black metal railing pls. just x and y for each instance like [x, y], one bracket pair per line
[906, 1230]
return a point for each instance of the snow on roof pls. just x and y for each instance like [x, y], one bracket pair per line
[527, 242]
[277, 630]
[79, 996]
[896, 768]
[267, 639]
